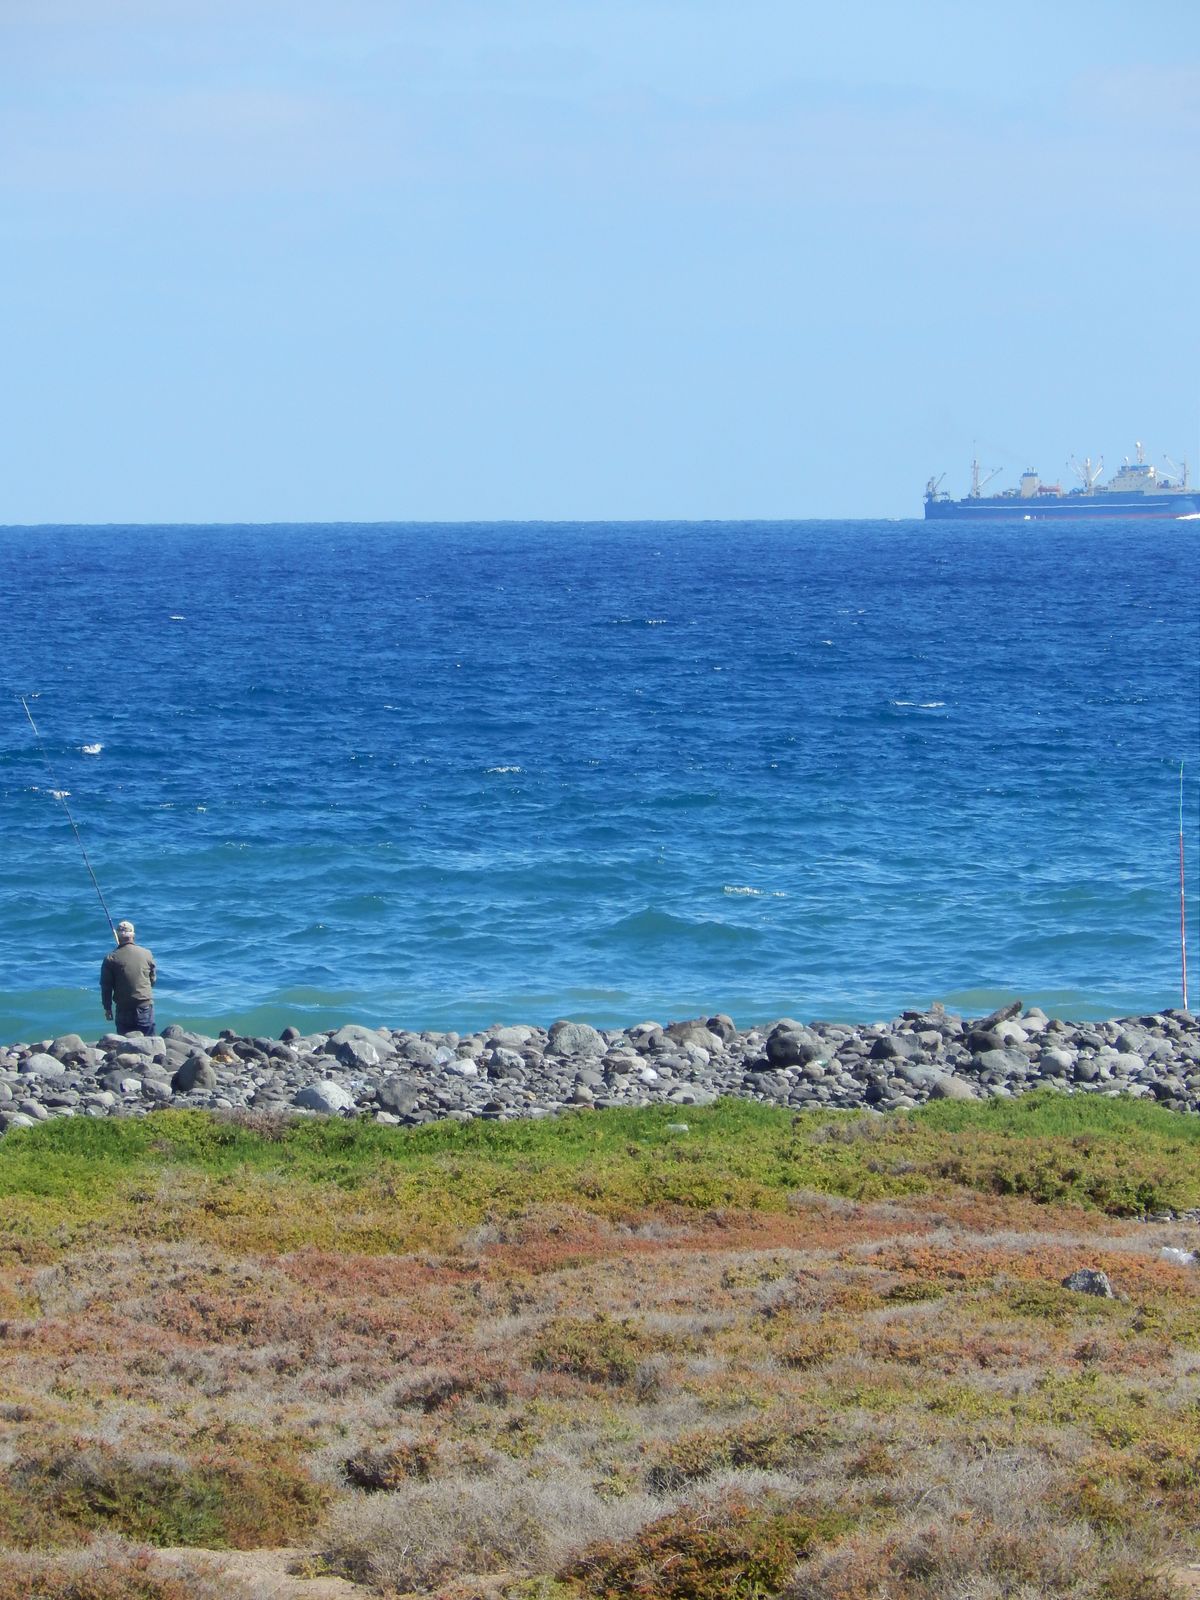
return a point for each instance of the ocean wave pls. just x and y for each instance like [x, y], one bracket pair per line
[746, 889]
[503, 769]
[652, 926]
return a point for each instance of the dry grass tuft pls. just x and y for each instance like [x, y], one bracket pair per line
[931, 1559]
[424, 1534]
[108, 1570]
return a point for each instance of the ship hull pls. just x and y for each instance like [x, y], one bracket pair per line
[1065, 508]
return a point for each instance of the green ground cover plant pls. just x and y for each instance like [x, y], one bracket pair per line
[353, 1182]
[826, 1356]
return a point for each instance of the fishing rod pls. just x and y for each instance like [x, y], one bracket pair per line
[1182, 906]
[61, 796]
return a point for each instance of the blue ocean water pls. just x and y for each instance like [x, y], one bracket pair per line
[439, 776]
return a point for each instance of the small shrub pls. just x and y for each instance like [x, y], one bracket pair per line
[813, 1344]
[539, 1588]
[99, 1574]
[219, 1502]
[778, 1445]
[914, 1290]
[598, 1349]
[874, 1461]
[726, 1550]
[437, 1388]
[1053, 1304]
[398, 1463]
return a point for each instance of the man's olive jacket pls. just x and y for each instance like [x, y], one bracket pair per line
[128, 972]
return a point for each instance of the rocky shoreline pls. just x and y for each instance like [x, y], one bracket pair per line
[499, 1073]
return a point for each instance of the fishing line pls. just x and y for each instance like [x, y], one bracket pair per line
[61, 796]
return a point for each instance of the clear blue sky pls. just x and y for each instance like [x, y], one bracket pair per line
[392, 259]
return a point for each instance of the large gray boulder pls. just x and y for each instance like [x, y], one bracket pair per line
[133, 1044]
[356, 1046]
[1008, 1063]
[1055, 1062]
[980, 1040]
[692, 1094]
[419, 1053]
[68, 1047]
[576, 1039]
[326, 1096]
[197, 1072]
[1011, 1033]
[41, 1065]
[1088, 1280]
[791, 1044]
[398, 1095]
[694, 1032]
[897, 1047]
[945, 1086]
[1126, 1065]
[509, 1038]
[357, 1053]
[503, 1063]
[645, 1036]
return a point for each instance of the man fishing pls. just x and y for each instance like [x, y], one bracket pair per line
[127, 976]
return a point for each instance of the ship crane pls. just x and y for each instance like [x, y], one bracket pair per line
[1086, 473]
[932, 487]
[1181, 473]
[979, 479]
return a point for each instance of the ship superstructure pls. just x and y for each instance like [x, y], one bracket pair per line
[1136, 489]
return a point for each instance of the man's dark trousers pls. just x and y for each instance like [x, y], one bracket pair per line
[139, 1018]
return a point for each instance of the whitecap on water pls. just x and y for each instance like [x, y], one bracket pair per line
[745, 888]
[90, 749]
[504, 769]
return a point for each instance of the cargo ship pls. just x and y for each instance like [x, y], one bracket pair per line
[1136, 490]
